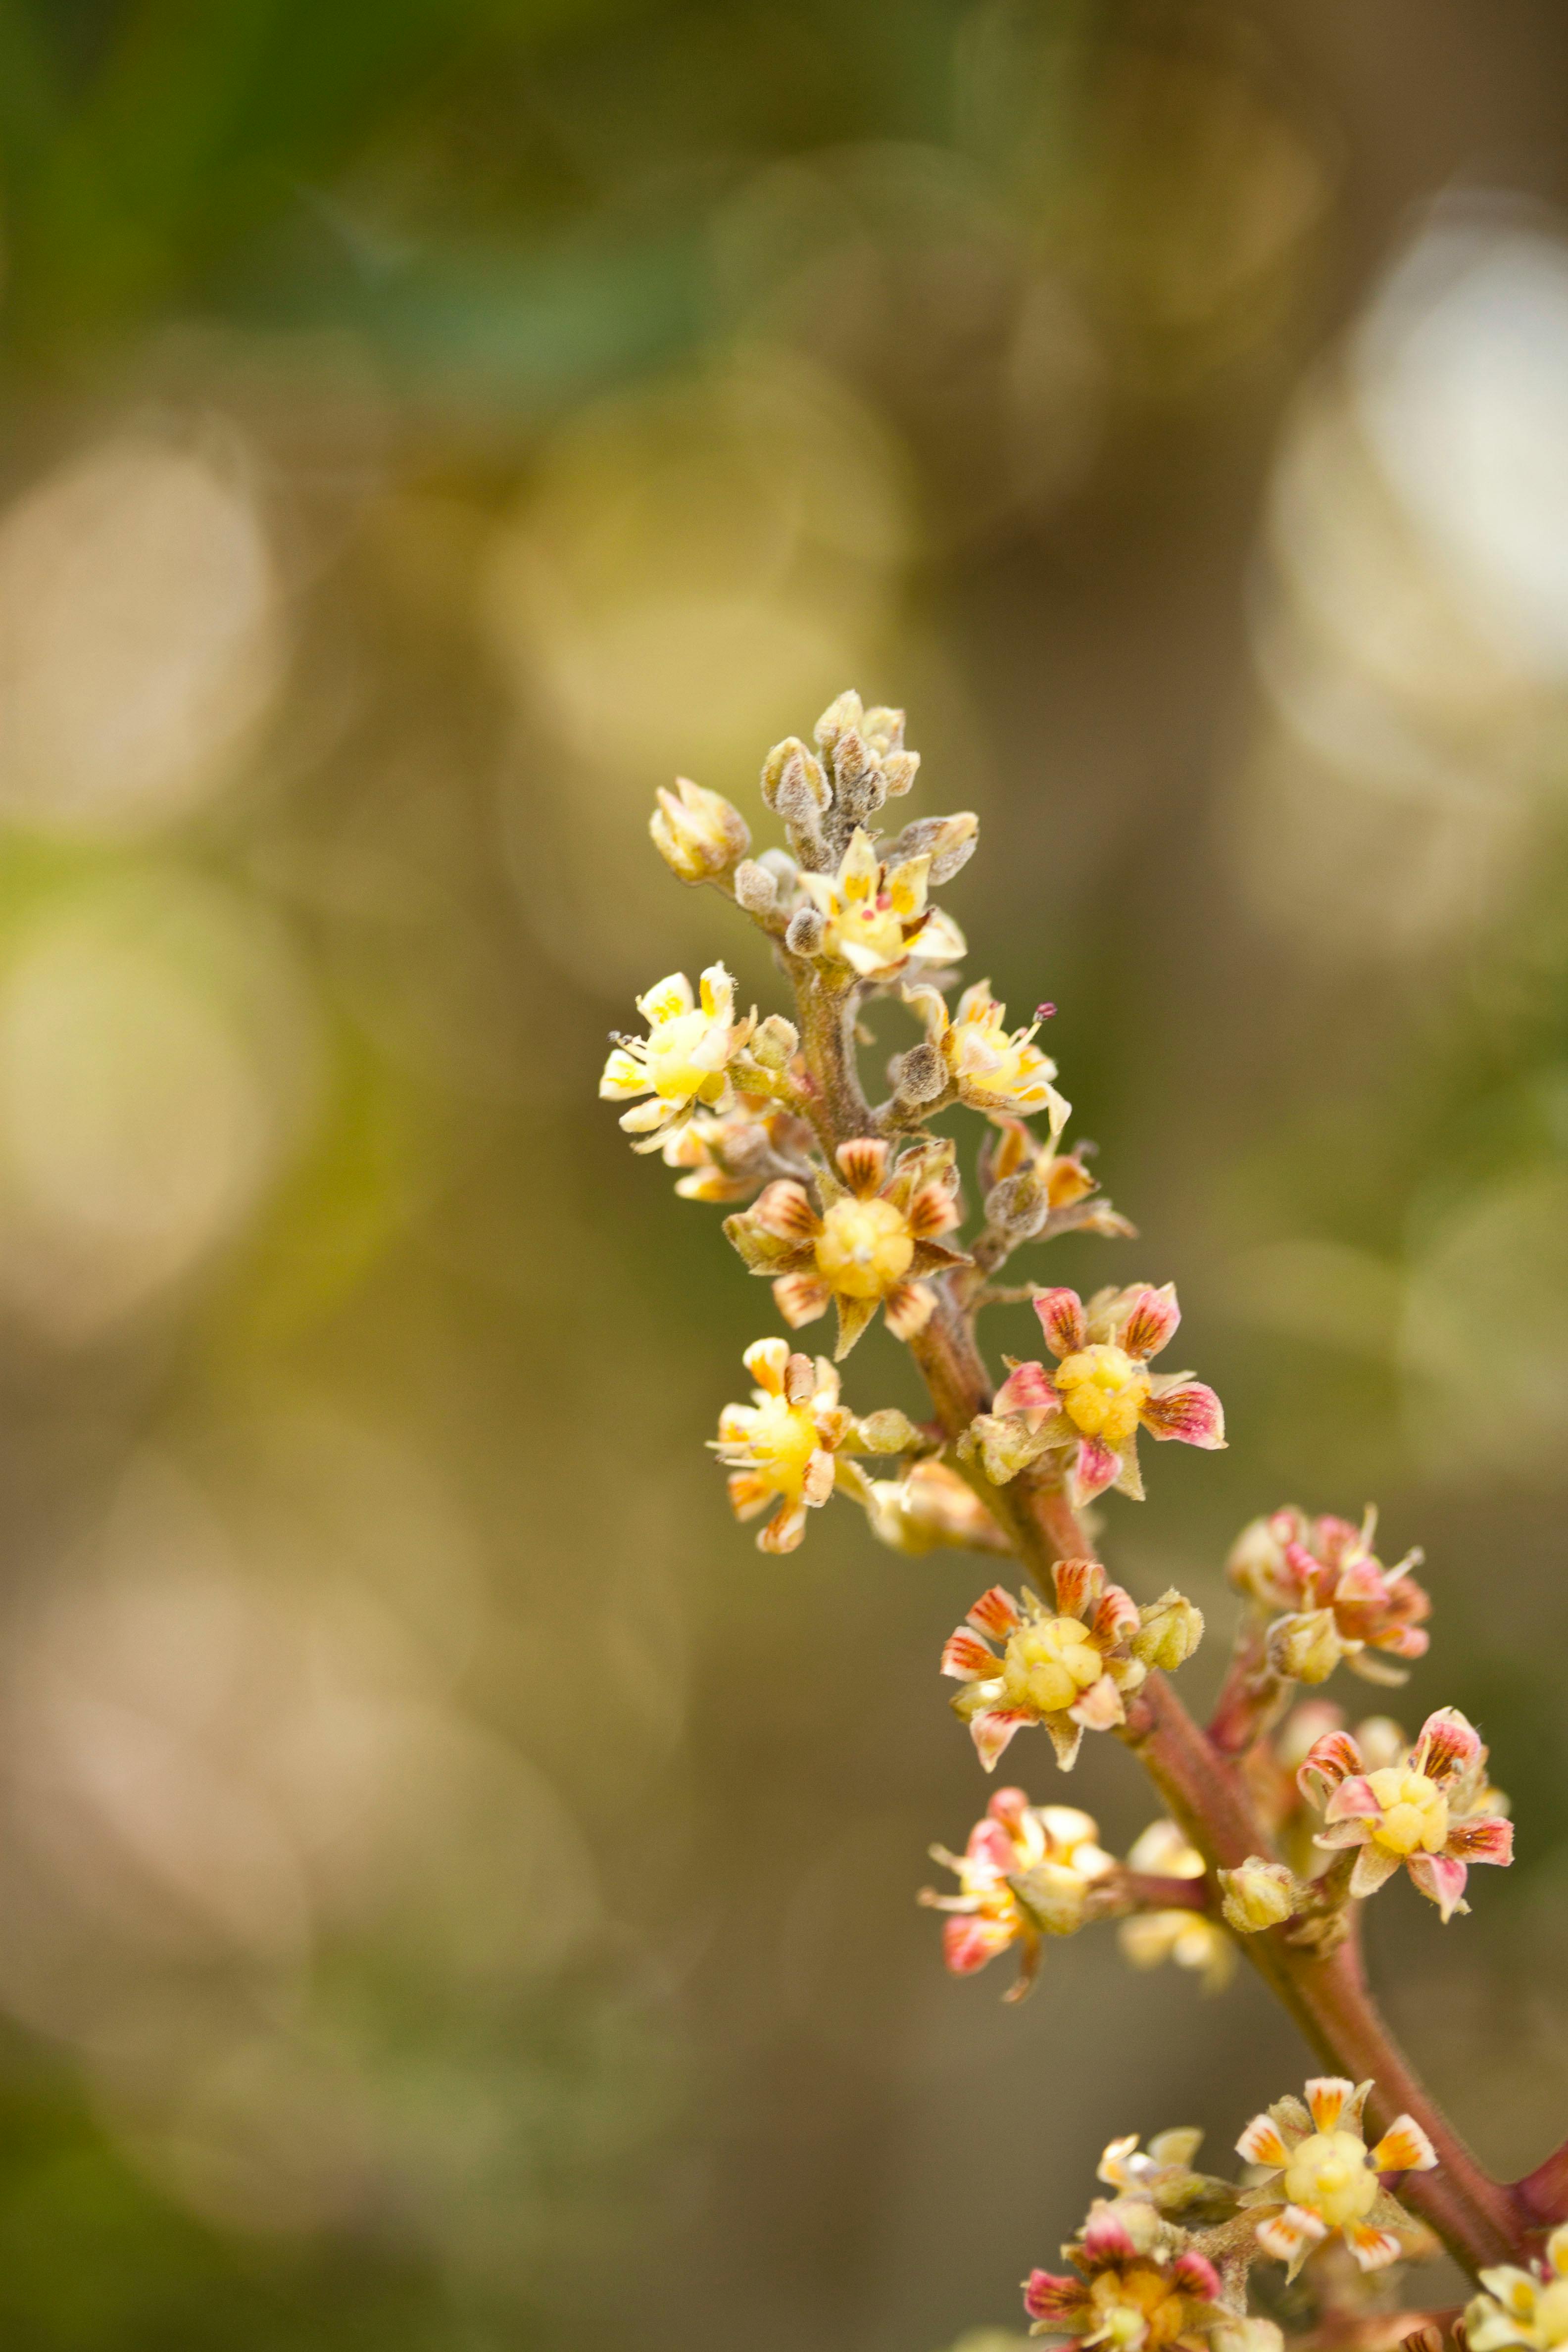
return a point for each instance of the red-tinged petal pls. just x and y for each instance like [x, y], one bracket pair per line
[1354, 1800]
[749, 1493]
[801, 1299]
[1327, 1763]
[1344, 1833]
[1059, 2301]
[863, 1164]
[1289, 2235]
[932, 1210]
[1196, 2275]
[784, 1529]
[1009, 1806]
[1484, 1837]
[1442, 1880]
[1263, 2143]
[1105, 2237]
[1191, 1414]
[1448, 1748]
[1326, 2098]
[1061, 1320]
[993, 1729]
[1404, 2148]
[1094, 1469]
[966, 1657]
[1079, 1584]
[785, 1210]
[1152, 1323]
[996, 1613]
[1099, 1708]
[907, 1310]
[1374, 1866]
[989, 1843]
[1113, 1618]
[968, 1944]
[1374, 2248]
[1026, 1390]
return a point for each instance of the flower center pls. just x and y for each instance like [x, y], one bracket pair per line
[678, 1068]
[864, 1248]
[1047, 1664]
[1415, 1812]
[1330, 2175]
[782, 1440]
[1104, 1390]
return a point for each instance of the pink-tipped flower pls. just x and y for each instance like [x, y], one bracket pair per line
[781, 1447]
[1089, 1407]
[1434, 1810]
[1326, 2180]
[1025, 1874]
[872, 1245]
[1338, 1600]
[1069, 1669]
[1133, 2286]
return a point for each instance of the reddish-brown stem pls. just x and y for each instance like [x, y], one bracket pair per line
[1144, 1890]
[1542, 2197]
[1248, 1697]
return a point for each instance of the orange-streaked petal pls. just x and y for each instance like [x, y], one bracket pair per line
[965, 1657]
[1263, 2143]
[1374, 2248]
[1404, 2148]
[801, 1299]
[1326, 2098]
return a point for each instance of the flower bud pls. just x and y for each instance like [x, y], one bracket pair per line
[888, 1431]
[790, 763]
[774, 1043]
[1257, 1894]
[697, 833]
[1054, 1897]
[1018, 1206]
[927, 1509]
[1256, 1558]
[922, 1074]
[948, 841]
[805, 935]
[1169, 1631]
[843, 713]
[1305, 1646]
[756, 888]
[899, 770]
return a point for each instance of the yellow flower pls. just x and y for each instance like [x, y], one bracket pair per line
[875, 918]
[1327, 2178]
[683, 1062]
[988, 1068]
[1025, 1873]
[1522, 2307]
[780, 1448]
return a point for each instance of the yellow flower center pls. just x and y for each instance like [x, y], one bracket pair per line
[1330, 2175]
[1104, 1390]
[780, 1440]
[1134, 2307]
[674, 1072]
[1047, 1664]
[864, 1248]
[872, 925]
[1415, 1812]
[1551, 2315]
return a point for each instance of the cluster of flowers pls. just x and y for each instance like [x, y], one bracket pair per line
[840, 1204]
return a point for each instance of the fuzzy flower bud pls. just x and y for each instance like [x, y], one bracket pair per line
[1257, 1894]
[1305, 1647]
[950, 841]
[888, 1431]
[774, 1043]
[805, 932]
[756, 889]
[791, 767]
[929, 1509]
[922, 1076]
[697, 833]
[1170, 1630]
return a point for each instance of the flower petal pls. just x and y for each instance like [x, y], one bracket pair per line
[1374, 2248]
[907, 1310]
[1404, 2148]
[1095, 1467]
[966, 1657]
[1058, 2301]
[996, 1613]
[1150, 1321]
[1291, 2235]
[1191, 1414]
[967, 1944]
[1099, 1708]
[1374, 1866]
[785, 1210]
[801, 1299]
[1061, 1320]
[766, 1361]
[1442, 1880]
[1264, 2142]
[1484, 1837]
[932, 1210]
[992, 1729]
[1078, 1585]
[1196, 2275]
[863, 1164]
[1326, 2097]
[1026, 1390]
[1354, 1800]
[1447, 1746]
[1106, 2237]
[1327, 1763]
[784, 1529]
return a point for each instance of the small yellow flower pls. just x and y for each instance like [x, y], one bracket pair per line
[697, 833]
[683, 1062]
[1025, 1873]
[876, 920]
[989, 1068]
[1523, 2307]
[1327, 2178]
[781, 1447]
[1150, 1938]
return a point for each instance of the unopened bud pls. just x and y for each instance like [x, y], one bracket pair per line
[792, 759]
[929, 1508]
[899, 770]
[844, 712]
[1003, 1443]
[922, 1074]
[756, 888]
[805, 935]
[774, 1043]
[1053, 1895]
[1306, 1647]
[797, 806]
[1257, 1894]
[883, 730]
[1017, 1207]
[1256, 1558]
[1169, 1631]
[948, 841]
[851, 758]
[888, 1431]
[697, 833]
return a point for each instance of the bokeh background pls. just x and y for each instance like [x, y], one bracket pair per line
[454, 1894]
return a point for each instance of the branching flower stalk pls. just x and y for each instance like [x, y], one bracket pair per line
[1279, 1824]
